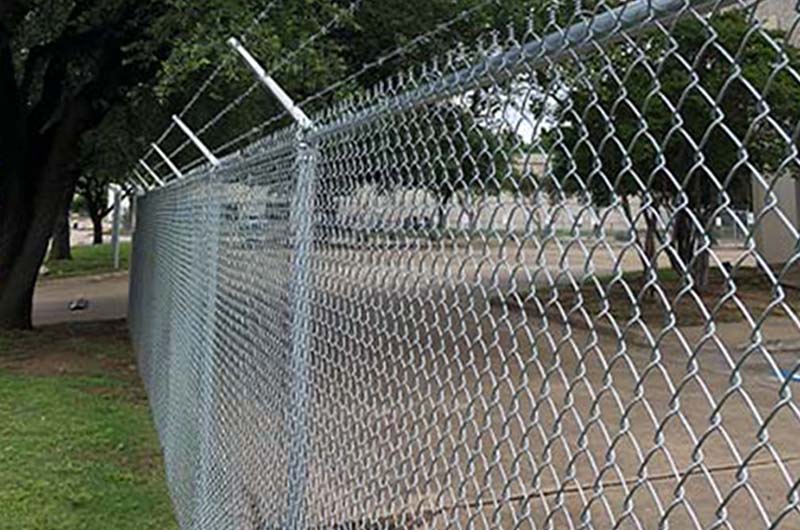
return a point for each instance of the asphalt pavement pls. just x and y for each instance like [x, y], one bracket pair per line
[107, 296]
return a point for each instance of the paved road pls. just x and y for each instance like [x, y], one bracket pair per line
[431, 402]
[107, 295]
[436, 402]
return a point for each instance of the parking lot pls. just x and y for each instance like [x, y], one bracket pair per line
[440, 400]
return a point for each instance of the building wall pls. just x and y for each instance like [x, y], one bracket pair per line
[774, 239]
[780, 14]
[775, 226]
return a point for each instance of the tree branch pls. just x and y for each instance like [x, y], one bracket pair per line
[105, 40]
[9, 94]
[41, 52]
[55, 75]
[12, 11]
[11, 147]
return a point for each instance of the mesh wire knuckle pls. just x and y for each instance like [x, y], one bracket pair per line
[547, 281]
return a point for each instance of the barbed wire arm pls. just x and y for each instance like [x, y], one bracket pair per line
[276, 90]
[158, 180]
[196, 141]
[168, 161]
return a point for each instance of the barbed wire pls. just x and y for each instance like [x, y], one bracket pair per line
[275, 68]
[413, 43]
[212, 77]
[365, 68]
[383, 59]
[244, 136]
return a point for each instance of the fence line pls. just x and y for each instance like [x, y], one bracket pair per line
[495, 293]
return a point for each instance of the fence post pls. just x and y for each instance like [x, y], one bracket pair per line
[301, 225]
[144, 185]
[209, 465]
[296, 112]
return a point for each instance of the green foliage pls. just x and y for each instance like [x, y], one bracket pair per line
[78, 205]
[681, 121]
[202, 46]
[89, 260]
[179, 43]
[449, 151]
[106, 155]
[386, 25]
[196, 33]
[57, 45]
[632, 132]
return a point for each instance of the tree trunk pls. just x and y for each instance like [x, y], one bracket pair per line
[647, 258]
[693, 260]
[17, 286]
[97, 230]
[700, 270]
[61, 247]
[445, 195]
[441, 220]
[14, 190]
[39, 143]
[650, 237]
[37, 191]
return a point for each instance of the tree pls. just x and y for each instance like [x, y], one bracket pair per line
[448, 148]
[60, 248]
[355, 41]
[685, 140]
[63, 66]
[445, 149]
[95, 193]
[106, 155]
[66, 65]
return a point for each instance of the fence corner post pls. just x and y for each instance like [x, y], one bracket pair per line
[302, 229]
[302, 233]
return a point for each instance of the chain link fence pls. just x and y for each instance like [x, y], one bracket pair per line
[487, 294]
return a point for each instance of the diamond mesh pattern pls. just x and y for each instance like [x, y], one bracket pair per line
[495, 292]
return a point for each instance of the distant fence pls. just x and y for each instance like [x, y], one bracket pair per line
[338, 329]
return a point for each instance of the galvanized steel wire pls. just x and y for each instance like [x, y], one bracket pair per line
[438, 307]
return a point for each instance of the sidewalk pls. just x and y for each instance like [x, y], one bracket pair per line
[107, 295]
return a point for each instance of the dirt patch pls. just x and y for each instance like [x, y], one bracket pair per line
[44, 364]
[74, 349]
[751, 294]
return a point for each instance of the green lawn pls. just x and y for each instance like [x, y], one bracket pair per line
[88, 261]
[77, 447]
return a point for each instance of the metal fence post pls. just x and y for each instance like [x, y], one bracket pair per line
[196, 141]
[415, 311]
[144, 185]
[301, 225]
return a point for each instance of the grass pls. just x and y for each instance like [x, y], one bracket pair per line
[89, 261]
[77, 445]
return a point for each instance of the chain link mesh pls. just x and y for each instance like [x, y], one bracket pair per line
[496, 292]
